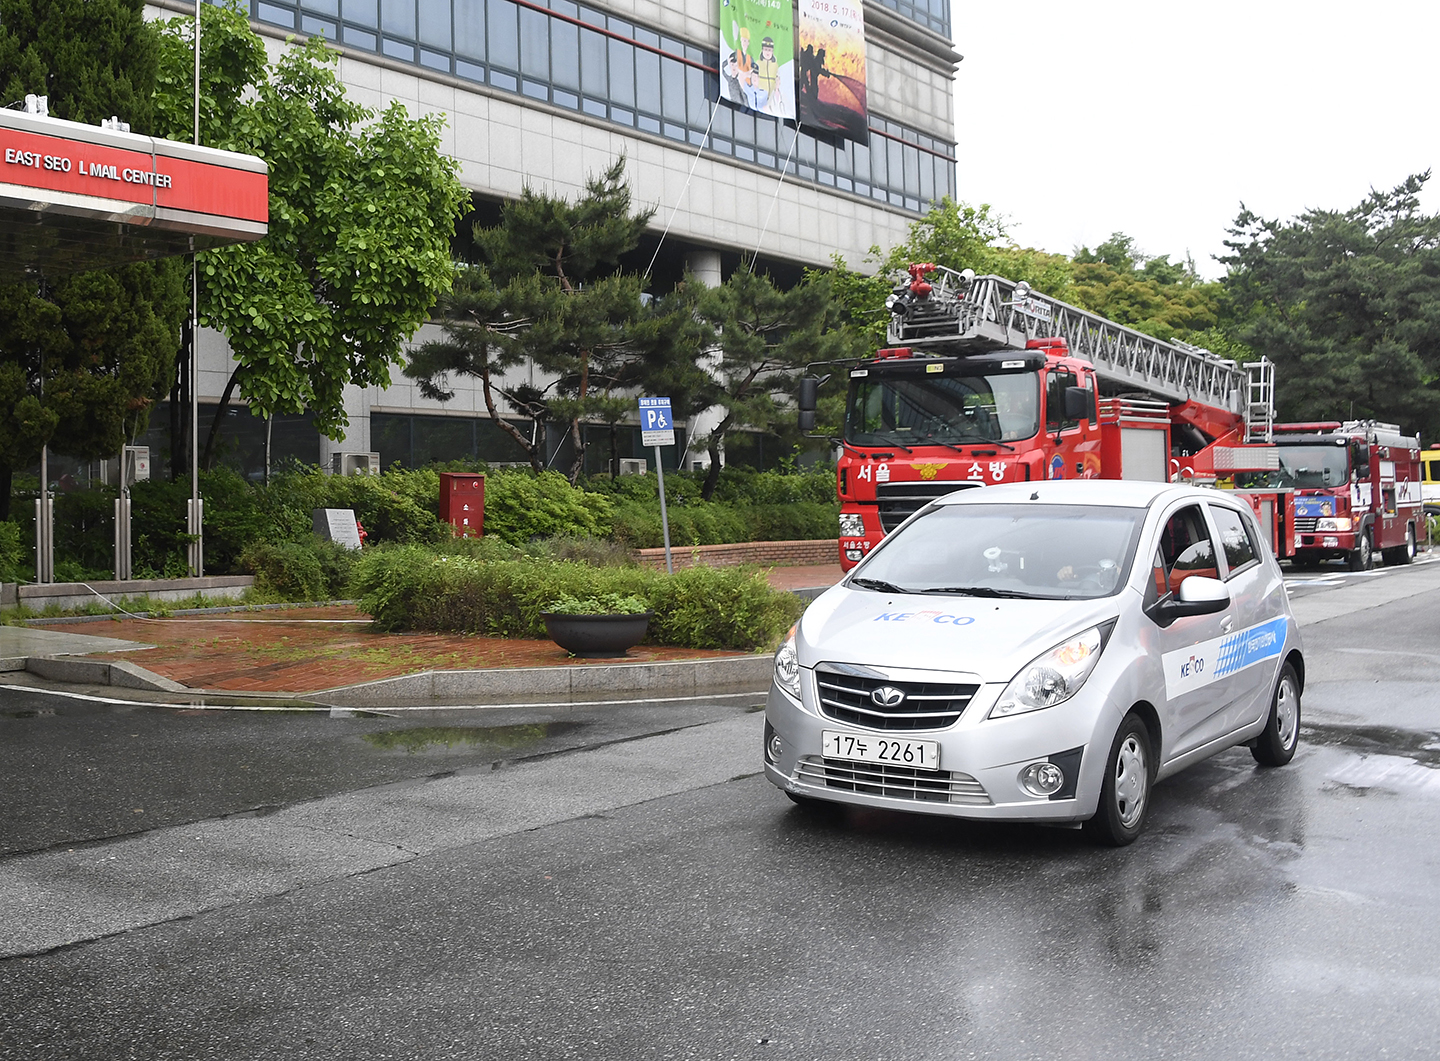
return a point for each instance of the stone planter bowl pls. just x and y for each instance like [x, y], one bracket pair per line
[596, 636]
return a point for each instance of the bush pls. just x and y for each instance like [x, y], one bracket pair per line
[520, 506]
[394, 506]
[408, 588]
[15, 563]
[299, 571]
[605, 604]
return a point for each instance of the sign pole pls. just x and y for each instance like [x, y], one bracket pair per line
[664, 518]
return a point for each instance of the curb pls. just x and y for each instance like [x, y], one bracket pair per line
[678, 678]
[79, 670]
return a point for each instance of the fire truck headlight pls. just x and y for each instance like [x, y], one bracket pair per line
[852, 525]
[1339, 523]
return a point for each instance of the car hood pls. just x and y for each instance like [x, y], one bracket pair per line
[977, 635]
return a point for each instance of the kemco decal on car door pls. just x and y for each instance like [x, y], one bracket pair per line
[1188, 669]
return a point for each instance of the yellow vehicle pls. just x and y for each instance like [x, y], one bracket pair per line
[1430, 480]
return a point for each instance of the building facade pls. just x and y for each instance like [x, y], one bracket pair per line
[547, 93]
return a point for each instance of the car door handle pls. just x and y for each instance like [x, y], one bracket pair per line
[1226, 623]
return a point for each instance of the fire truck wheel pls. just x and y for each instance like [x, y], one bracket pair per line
[1363, 558]
[1276, 744]
[1402, 554]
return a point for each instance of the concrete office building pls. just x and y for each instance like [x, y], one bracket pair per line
[548, 92]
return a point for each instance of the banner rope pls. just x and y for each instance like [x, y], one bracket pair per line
[776, 197]
[714, 105]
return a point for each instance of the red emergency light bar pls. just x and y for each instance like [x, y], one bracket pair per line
[894, 352]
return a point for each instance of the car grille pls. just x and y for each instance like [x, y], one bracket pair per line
[1306, 524]
[893, 782]
[899, 500]
[927, 705]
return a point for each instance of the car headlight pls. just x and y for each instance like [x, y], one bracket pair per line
[1339, 523]
[787, 666]
[1054, 677]
[852, 525]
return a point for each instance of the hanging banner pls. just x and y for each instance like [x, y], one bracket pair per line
[831, 58]
[757, 56]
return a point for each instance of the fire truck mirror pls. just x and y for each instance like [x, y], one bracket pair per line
[809, 394]
[1077, 403]
[807, 419]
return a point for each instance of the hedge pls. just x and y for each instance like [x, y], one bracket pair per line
[407, 588]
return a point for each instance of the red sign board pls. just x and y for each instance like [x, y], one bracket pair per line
[462, 503]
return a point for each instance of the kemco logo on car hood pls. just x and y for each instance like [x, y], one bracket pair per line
[976, 635]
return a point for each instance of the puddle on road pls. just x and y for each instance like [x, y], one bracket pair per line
[1380, 760]
[1420, 745]
[449, 738]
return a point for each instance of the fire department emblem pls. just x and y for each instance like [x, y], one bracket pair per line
[928, 471]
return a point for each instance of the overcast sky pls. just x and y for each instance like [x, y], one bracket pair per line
[1077, 119]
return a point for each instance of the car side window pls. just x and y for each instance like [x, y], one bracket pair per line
[1185, 548]
[1234, 539]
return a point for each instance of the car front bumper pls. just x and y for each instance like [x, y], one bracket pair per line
[980, 760]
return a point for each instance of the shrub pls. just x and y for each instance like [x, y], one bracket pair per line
[314, 570]
[408, 588]
[520, 506]
[15, 563]
[604, 604]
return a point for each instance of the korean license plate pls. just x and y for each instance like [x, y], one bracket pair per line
[890, 751]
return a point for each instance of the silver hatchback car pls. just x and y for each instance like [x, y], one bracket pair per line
[1040, 652]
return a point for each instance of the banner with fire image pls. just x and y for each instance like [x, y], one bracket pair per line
[757, 56]
[831, 58]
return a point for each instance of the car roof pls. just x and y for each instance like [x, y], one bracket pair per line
[1118, 493]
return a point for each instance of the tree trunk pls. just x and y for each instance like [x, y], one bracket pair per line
[577, 466]
[712, 477]
[532, 450]
[614, 455]
[7, 482]
[208, 461]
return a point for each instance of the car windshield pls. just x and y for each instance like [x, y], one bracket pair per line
[1304, 467]
[1050, 552]
[904, 410]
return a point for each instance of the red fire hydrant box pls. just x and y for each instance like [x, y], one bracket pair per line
[462, 503]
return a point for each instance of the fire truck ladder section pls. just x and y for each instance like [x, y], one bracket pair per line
[961, 313]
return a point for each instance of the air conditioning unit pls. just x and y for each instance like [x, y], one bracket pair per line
[633, 466]
[354, 464]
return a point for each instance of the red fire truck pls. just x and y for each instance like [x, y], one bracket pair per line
[1357, 490]
[984, 381]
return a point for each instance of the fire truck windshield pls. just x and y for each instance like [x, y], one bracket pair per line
[1303, 467]
[948, 409]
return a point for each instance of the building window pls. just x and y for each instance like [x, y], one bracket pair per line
[584, 60]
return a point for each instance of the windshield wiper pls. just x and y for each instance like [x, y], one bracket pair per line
[891, 440]
[971, 439]
[983, 591]
[878, 584]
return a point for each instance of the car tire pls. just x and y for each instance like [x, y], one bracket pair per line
[1125, 792]
[1363, 556]
[1402, 554]
[1277, 742]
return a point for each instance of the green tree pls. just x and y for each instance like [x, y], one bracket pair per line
[1154, 295]
[550, 292]
[362, 209]
[83, 357]
[753, 343]
[1347, 303]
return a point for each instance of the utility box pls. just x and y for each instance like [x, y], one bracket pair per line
[135, 468]
[633, 466]
[462, 503]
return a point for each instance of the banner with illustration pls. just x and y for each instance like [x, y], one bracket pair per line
[757, 56]
[831, 57]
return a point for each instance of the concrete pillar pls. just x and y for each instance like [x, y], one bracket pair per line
[704, 265]
[357, 434]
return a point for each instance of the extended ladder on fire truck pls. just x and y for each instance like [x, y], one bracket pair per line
[962, 312]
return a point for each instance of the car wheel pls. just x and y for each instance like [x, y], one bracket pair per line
[1125, 793]
[1276, 744]
[1363, 556]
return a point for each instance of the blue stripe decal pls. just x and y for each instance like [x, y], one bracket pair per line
[1250, 646]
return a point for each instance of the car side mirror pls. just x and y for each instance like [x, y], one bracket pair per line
[807, 399]
[1198, 595]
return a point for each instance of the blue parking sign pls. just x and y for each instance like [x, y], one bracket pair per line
[657, 426]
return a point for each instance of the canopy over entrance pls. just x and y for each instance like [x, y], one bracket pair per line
[77, 197]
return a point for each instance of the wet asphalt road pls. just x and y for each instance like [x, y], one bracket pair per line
[531, 884]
